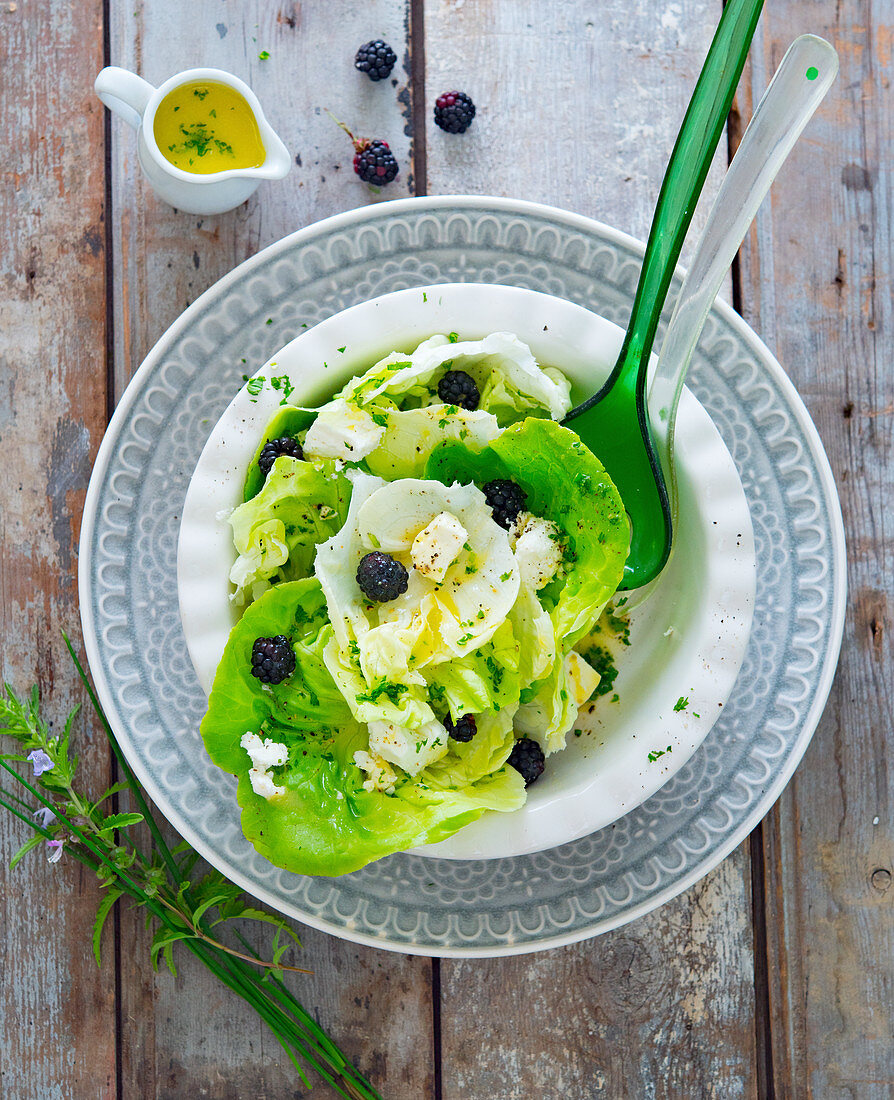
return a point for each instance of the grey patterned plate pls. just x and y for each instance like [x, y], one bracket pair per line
[410, 903]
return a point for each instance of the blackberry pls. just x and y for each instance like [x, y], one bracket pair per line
[381, 577]
[273, 448]
[454, 112]
[527, 757]
[272, 659]
[376, 59]
[374, 162]
[458, 388]
[506, 500]
[462, 730]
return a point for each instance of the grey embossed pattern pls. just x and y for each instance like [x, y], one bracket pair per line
[409, 902]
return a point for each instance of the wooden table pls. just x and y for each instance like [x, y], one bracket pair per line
[771, 976]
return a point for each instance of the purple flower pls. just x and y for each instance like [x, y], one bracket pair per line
[40, 762]
[45, 816]
[54, 852]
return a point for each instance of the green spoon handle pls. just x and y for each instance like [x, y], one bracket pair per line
[683, 181]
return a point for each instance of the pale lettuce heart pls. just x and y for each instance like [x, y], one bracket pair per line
[344, 431]
[500, 363]
[411, 749]
[336, 564]
[480, 586]
[411, 435]
[263, 551]
[404, 703]
[553, 710]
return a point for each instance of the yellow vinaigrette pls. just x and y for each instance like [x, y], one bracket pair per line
[208, 127]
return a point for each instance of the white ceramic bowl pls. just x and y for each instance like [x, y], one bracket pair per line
[688, 639]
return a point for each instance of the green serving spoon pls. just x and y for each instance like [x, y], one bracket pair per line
[614, 423]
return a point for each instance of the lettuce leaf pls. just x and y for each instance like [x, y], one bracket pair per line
[567, 484]
[276, 532]
[507, 375]
[326, 823]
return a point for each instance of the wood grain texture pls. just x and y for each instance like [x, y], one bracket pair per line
[580, 108]
[57, 1012]
[187, 1037]
[662, 1008]
[817, 283]
[578, 104]
[164, 259]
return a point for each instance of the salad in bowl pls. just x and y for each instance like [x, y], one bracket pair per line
[415, 439]
[420, 561]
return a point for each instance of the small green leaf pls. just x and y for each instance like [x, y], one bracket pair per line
[30, 843]
[102, 911]
[118, 821]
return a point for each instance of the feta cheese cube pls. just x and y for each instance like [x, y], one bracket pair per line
[437, 546]
[581, 677]
[538, 550]
[382, 776]
[264, 755]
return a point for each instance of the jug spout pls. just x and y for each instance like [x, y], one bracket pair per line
[278, 160]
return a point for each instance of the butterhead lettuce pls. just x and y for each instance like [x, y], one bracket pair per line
[362, 763]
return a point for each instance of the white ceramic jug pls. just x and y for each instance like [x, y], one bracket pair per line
[136, 101]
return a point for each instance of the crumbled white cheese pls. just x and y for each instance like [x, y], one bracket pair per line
[382, 776]
[437, 546]
[581, 677]
[342, 431]
[264, 755]
[538, 550]
[411, 750]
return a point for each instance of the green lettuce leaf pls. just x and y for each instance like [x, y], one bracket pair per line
[276, 532]
[325, 822]
[567, 484]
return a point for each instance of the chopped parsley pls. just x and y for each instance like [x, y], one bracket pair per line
[655, 754]
[391, 691]
[601, 659]
[264, 55]
[254, 386]
[682, 703]
[453, 337]
[505, 576]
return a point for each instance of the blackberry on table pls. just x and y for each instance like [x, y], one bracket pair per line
[454, 112]
[506, 499]
[272, 659]
[527, 757]
[459, 388]
[381, 577]
[376, 59]
[374, 162]
[464, 729]
[273, 448]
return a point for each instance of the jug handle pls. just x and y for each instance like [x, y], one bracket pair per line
[125, 93]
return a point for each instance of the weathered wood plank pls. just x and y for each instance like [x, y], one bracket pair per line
[165, 259]
[580, 108]
[817, 283]
[57, 1012]
[186, 1037]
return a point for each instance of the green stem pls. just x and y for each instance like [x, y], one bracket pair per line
[135, 788]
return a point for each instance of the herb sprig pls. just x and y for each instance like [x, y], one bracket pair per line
[185, 907]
